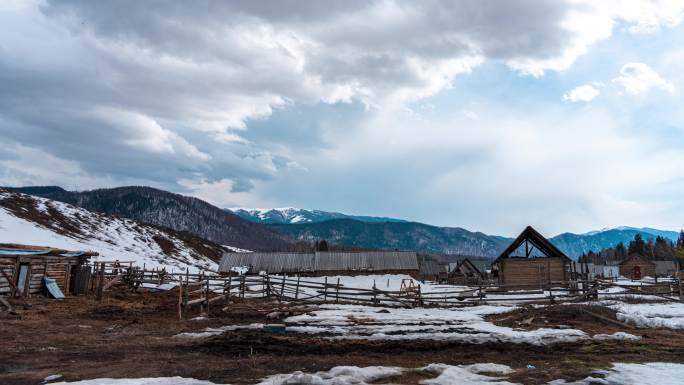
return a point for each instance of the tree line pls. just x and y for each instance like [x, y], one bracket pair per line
[660, 249]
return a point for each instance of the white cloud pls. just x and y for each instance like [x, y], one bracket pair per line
[583, 93]
[637, 78]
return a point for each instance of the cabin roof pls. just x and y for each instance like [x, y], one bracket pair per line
[17, 250]
[637, 257]
[321, 261]
[529, 234]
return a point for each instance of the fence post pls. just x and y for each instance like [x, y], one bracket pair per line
[206, 296]
[420, 298]
[375, 293]
[480, 295]
[297, 289]
[242, 289]
[180, 300]
[337, 291]
[100, 282]
[267, 279]
[230, 283]
[325, 290]
[282, 289]
[681, 293]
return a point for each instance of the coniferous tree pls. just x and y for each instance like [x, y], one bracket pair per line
[662, 249]
[637, 246]
[322, 245]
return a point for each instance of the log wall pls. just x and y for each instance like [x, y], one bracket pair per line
[55, 267]
[532, 271]
[627, 268]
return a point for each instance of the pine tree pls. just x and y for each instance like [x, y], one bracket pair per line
[637, 246]
[322, 245]
[662, 249]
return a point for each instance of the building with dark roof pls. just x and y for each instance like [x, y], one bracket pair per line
[531, 260]
[322, 262]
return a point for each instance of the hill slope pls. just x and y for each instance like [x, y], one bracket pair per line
[397, 235]
[42, 222]
[451, 240]
[575, 245]
[178, 212]
[290, 215]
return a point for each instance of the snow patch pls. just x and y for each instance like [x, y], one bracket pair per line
[210, 332]
[339, 375]
[465, 325]
[466, 374]
[655, 373]
[139, 381]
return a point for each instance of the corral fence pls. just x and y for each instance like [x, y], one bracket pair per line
[204, 289]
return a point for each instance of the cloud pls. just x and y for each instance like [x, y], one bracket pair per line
[638, 78]
[205, 96]
[583, 93]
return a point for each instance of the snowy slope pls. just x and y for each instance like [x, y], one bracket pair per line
[42, 222]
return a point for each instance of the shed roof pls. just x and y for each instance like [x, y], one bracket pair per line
[16, 250]
[431, 267]
[320, 261]
[638, 258]
[367, 260]
[270, 262]
[466, 266]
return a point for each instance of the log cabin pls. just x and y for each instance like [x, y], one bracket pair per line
[23, 267]
[637, 267]
[531, 261]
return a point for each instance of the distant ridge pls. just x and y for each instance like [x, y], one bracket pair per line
[291, 215]
[276, 229]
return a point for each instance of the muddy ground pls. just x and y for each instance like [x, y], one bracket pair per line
[131, 335]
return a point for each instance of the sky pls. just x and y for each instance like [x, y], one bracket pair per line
[565, 115]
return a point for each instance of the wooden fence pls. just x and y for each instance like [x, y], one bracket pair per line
[204, 289]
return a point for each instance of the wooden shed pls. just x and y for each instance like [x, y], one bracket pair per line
[322, 262]
[531, 261]
[466, 272]
[637, 267]
[22, 269]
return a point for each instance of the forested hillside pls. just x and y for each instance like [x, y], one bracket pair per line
[178, 212]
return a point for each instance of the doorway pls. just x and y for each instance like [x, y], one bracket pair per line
[636, 272]
[22, 277]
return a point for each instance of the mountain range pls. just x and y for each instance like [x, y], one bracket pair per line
[391, 233]
[291, 215]
[284, 229]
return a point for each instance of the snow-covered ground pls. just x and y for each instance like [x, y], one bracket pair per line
[656, 373]
[649, 315]
[466, 325]
[114, 238]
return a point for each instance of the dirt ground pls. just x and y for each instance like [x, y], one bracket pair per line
[131, 335]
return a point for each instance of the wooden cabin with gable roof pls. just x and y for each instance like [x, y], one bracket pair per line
[531, 260]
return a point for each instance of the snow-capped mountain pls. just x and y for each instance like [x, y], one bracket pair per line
[38, 221]
[291, 215]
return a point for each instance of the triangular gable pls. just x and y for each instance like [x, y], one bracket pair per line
[466, 264]
[535, 239]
